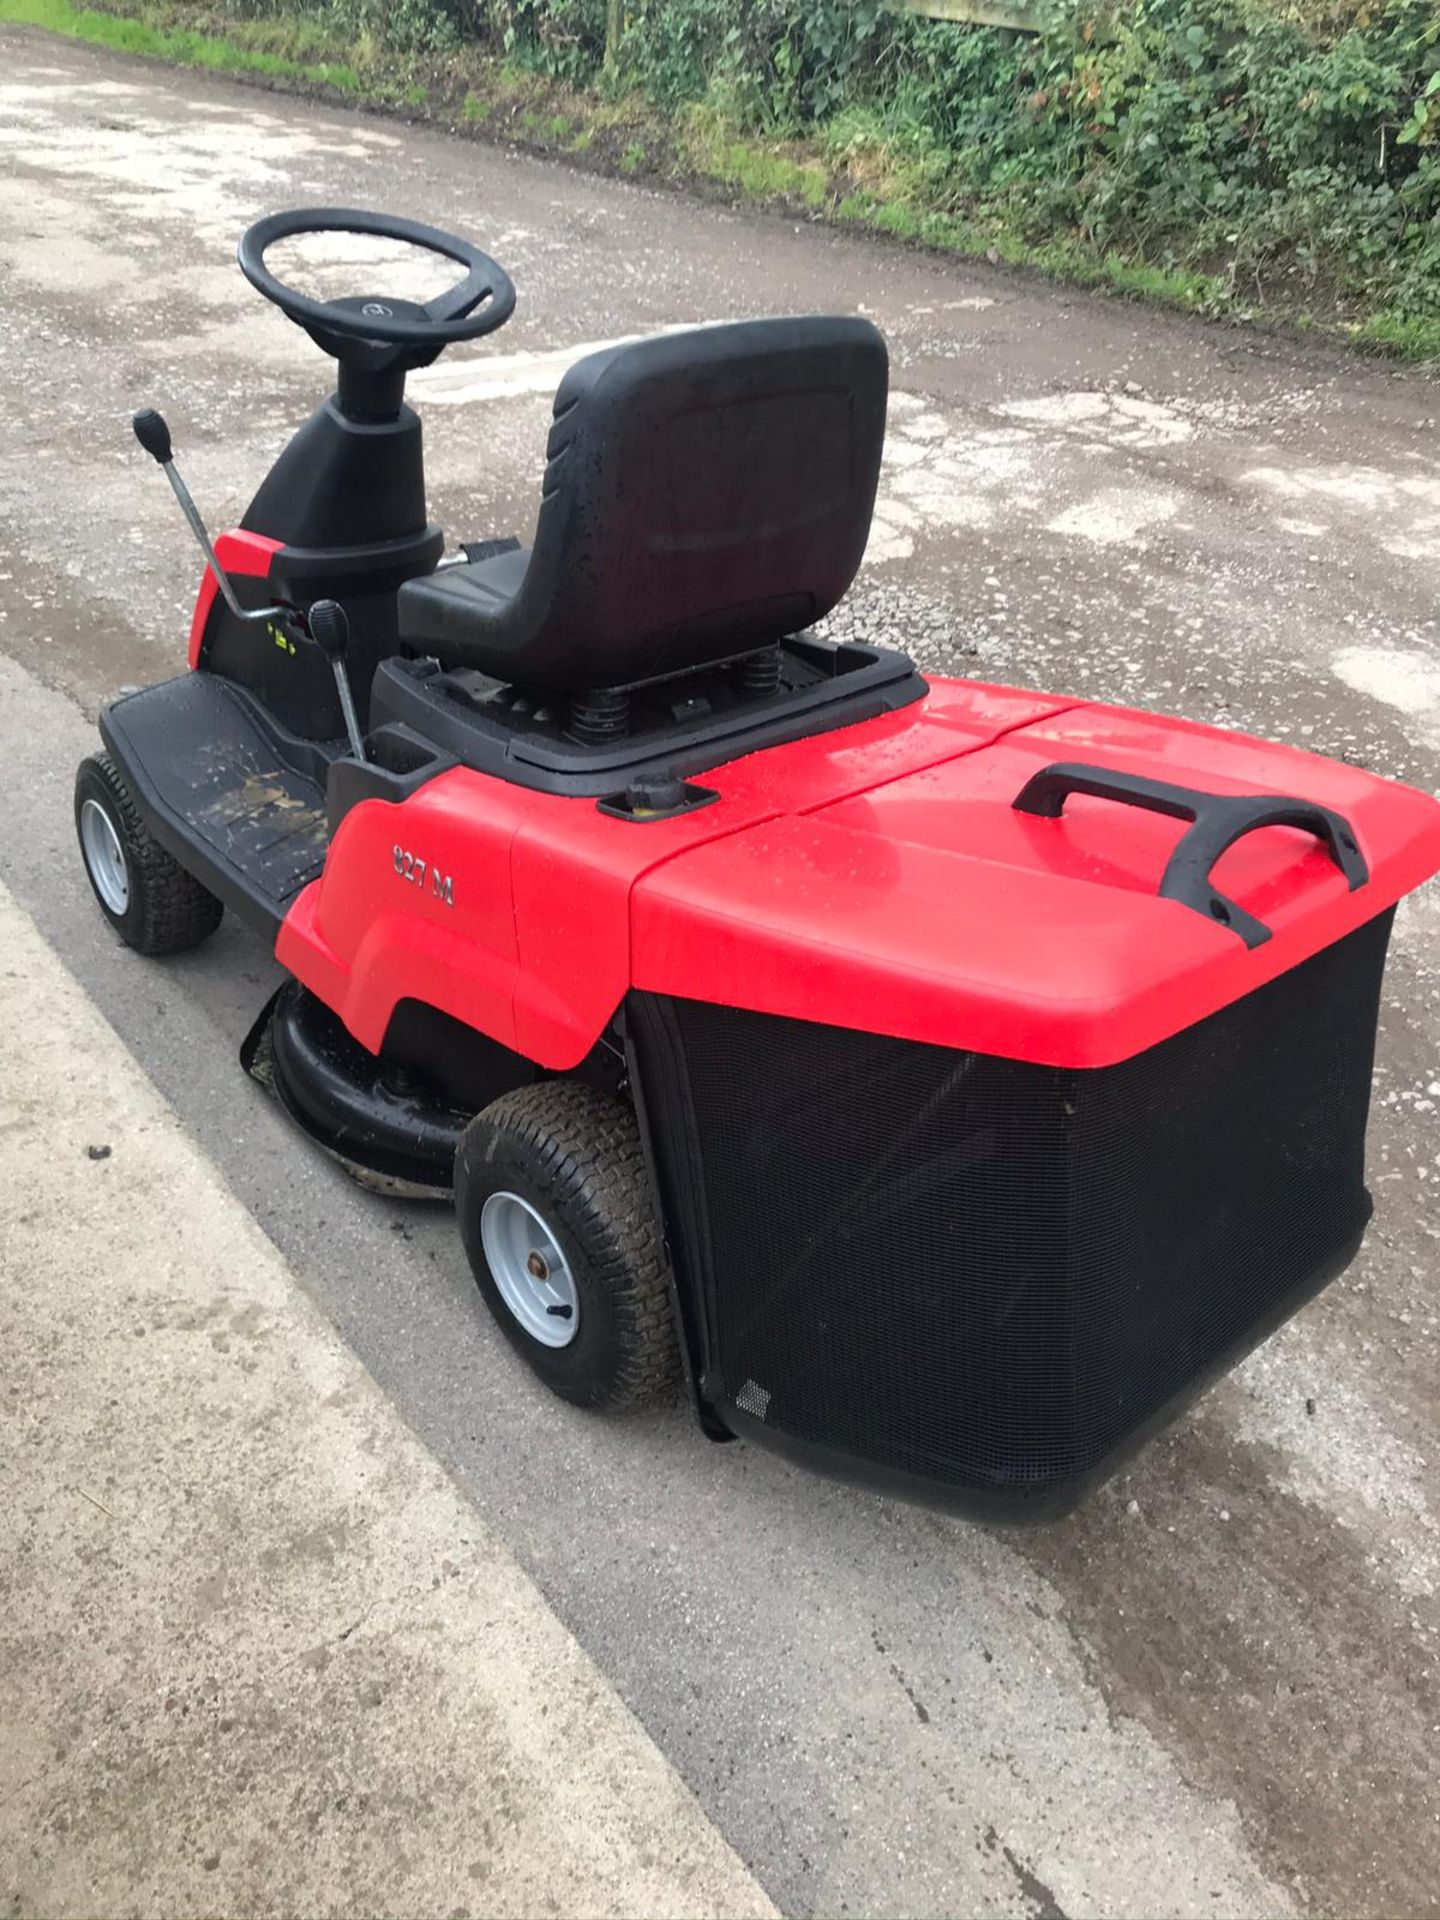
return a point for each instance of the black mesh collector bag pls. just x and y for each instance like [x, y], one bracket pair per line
[979, 1279]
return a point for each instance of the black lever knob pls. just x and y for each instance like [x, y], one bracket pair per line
[329, 628]
[153, 434]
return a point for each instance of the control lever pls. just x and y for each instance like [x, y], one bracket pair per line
[330, 630]
[154, 436]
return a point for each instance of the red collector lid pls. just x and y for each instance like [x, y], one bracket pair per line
[929, 906]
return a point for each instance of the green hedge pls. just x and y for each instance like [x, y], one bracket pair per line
[1293, 151]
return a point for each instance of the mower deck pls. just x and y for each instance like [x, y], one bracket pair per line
[390, 1131]
[240, 808]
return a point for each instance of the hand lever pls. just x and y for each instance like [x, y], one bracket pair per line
[330, 630]
[154, 436]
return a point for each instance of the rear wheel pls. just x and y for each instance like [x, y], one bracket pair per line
[555, 1211]
[151, 901]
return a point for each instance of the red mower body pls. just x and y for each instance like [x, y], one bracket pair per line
[878, 878]
[978, 1157]
[975, 1073]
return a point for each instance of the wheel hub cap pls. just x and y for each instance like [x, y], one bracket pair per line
[104, 856]
[530, 1272]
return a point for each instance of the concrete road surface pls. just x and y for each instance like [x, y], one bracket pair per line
[259, 1652]
[1215, 1690]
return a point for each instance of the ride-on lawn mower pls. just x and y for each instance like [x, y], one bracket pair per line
[950, 1079]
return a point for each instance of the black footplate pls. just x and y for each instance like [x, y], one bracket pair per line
[239, 805]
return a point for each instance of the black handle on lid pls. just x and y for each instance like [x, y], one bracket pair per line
[1219, 821]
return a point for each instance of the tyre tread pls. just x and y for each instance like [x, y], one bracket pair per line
[175, 911]
[586, 1148]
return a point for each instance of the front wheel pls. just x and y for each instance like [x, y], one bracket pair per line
[556, 1215]
[151, 901]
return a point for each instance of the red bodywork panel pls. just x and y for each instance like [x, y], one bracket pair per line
[249, 554]
[877, 877]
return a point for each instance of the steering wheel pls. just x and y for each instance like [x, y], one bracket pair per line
[383, 321]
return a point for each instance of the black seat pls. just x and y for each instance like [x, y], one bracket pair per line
[706, 494]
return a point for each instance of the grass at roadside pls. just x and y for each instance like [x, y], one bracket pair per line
[182, 46]
[479, 94]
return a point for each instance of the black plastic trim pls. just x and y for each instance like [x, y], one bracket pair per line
[657, 1078]
[1220, 819]
[367, 566]
[351, 780]
[650, 800]
[474, 550]
[873, 681]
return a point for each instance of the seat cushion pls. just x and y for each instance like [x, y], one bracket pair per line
[445, 609]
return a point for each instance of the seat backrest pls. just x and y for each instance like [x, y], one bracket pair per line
[706, 493]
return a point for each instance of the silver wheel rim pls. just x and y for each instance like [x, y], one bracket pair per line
[104, 856]
[532, 1274]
